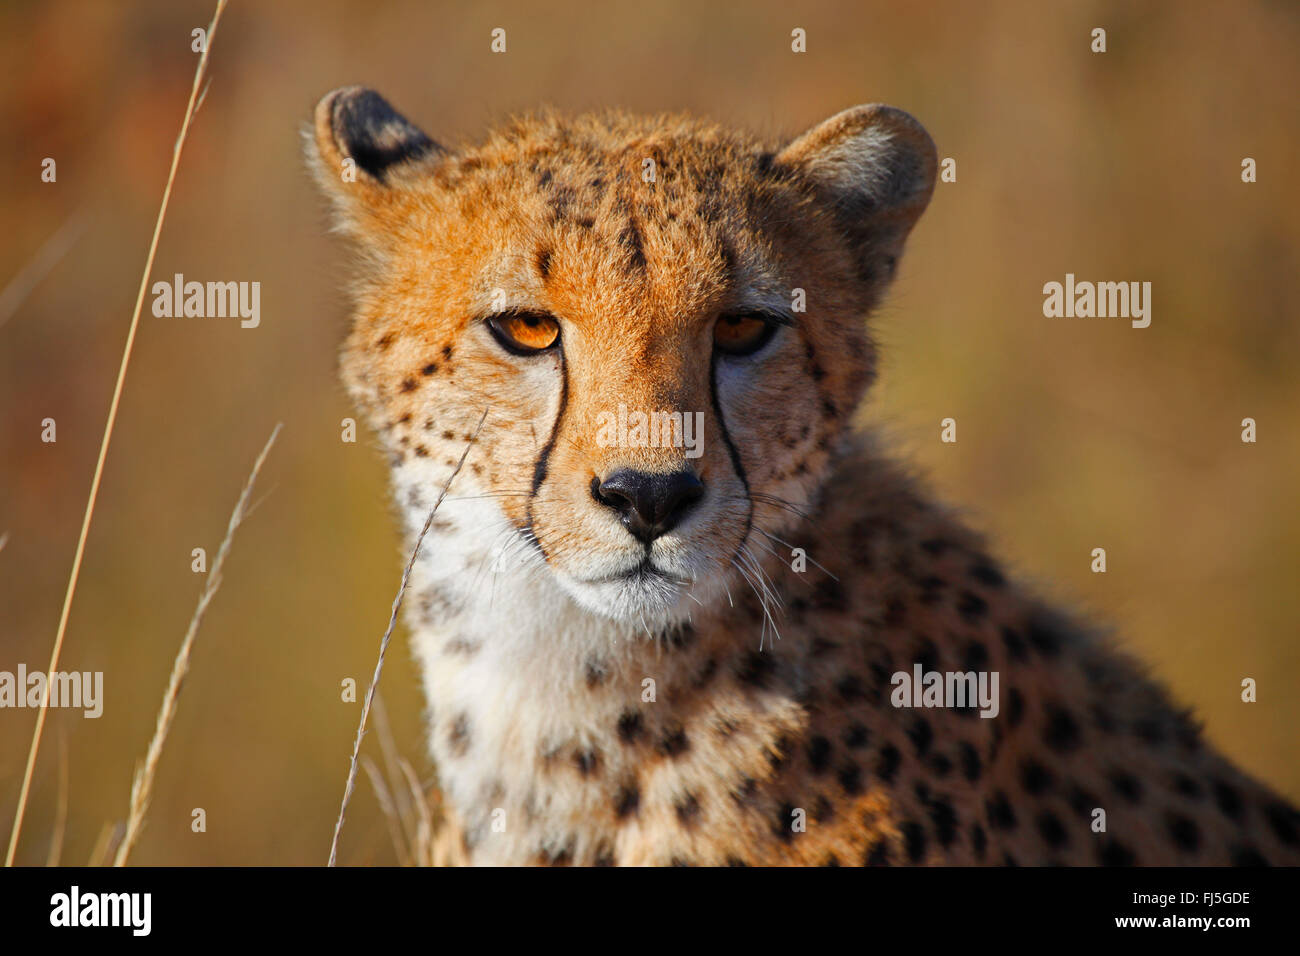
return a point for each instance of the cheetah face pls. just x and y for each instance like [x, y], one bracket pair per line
[663, 322]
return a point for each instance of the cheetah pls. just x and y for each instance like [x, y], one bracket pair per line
[638, 654]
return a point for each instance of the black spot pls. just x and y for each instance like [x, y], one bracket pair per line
[744, 793]
[890, 758]
[1188, 787]
[822, 809]
[1009, 860]
[1082, 801]
[630, 240]
[674, 743]
[560, 857]
[850, 688]
[914, 840]
[936, 546]
[940, 764]
[1150, 731]
[877, 854]
[1183, 831]
[928, 657]
[1044, 637]
[850, 777]
[1015, 644]
[778, 751]
[1247, 856]
[829, 596]
[976, 657]
[706, 673]
[429, 369]
[755, 668]
[736, 861]
[978, 840]
[972, 607]
[970, 761]
[1062, 733]
[408, 385]
[999, 812]
[1052, 830]
[1227, 799]
[1284, 821]
[921, 735]
[604, 857]
[831, 860]
[985, 573]
[895, 612]
[932, 589]
[1114, 853]
[944, 819]
[682, 637]
[629, 726]
[781, 823]
[446, 351]
[586, 761]
[1126, 785]
[680, 861]
[595, 673]
[458, 736]
[1034, 777]
[629, 799]
[688, 809]
[855, 737]
[819, 753]
[544, 263]
[1103, 719]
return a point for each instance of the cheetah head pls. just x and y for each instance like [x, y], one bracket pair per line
[663, 320]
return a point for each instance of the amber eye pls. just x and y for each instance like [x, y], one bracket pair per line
[525, 333]
[743, 333]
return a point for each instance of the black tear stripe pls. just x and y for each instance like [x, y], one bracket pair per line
[731, 448]
[540, 467]
[823, 391]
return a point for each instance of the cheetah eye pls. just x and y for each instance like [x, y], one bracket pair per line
[744, 333]
[524, 333]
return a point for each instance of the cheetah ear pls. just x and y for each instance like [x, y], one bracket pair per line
[875, 165]
[363, 150]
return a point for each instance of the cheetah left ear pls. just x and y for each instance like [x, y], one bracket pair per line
[876, 166]
[364, 150]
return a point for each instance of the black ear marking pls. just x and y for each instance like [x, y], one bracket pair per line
[368, 130]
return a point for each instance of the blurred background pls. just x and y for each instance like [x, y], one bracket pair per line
[1072, 433]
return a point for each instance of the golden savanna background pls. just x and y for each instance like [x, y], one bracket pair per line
[1073, 434]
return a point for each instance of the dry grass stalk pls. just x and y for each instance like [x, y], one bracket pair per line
[46, 258]
[142, 785]
[24, 792]
[61, 810]
[383, 644]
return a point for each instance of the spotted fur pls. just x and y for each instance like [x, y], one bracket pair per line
[717, 707]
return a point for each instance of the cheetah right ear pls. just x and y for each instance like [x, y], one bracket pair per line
[363, 151]
[875, 167]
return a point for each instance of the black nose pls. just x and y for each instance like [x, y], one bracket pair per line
[649, 504]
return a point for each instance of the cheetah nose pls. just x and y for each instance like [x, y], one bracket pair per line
[649, 504]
